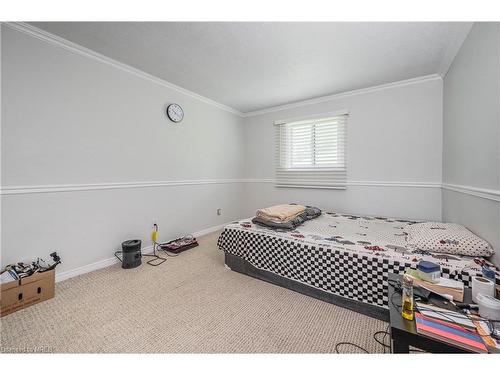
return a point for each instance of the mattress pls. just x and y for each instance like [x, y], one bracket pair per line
[347, 255]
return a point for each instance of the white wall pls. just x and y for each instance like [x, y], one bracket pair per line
[71, 119]
[471, 143]
[394, 138]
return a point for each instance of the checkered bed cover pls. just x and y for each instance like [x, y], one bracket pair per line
[346, 255]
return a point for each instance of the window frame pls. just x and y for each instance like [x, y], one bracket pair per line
[331, 176]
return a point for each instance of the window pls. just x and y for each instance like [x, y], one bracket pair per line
[311, 153]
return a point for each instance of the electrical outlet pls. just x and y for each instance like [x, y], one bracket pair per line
[219, 211]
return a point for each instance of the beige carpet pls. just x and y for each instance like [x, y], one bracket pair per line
[192, 304]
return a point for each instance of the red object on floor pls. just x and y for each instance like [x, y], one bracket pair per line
[180, 244]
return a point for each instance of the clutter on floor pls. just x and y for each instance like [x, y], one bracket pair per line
[180, 244]
[25, 284]
[131, 253]
[179, 300]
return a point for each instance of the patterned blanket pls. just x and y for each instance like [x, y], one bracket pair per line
[344, 254]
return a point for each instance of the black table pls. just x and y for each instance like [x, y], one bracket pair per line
[404, 332]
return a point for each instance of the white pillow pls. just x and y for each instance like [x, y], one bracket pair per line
[446, 238]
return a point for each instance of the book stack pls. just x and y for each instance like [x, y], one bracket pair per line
[460, 335]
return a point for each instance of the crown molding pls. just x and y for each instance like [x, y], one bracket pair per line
[83, 51]
[453, 48]
[322, 99]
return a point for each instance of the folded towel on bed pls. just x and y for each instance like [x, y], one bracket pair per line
[287, 225]
[279, 221]
[291, 223]
[281, 213]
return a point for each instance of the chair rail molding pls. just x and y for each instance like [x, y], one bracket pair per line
[58, 188]
[37, 189]
[490, 194]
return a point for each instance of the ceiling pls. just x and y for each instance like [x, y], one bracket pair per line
[253, 66]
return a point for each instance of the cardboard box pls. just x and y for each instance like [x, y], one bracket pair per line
[19, 294]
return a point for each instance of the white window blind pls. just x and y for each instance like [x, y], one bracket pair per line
[312, 153]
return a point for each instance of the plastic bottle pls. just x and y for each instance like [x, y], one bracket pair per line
[407, 298]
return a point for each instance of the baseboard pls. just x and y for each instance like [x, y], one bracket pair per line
[61, 276]
[209, 230]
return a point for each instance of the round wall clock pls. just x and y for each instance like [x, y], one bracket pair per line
[175, 112]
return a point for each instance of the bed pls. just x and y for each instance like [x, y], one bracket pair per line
[340, 258]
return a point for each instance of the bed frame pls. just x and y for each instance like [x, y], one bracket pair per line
[240, 265]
